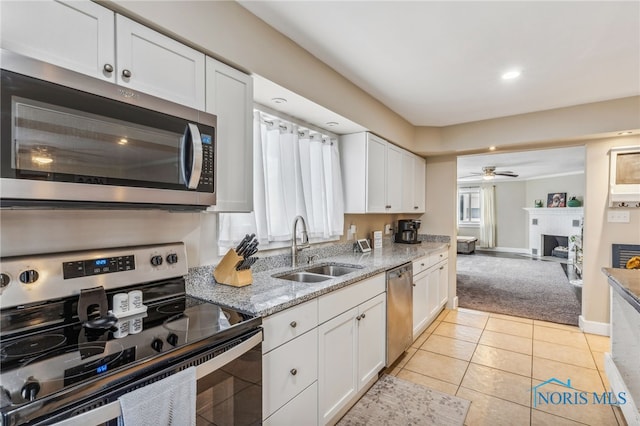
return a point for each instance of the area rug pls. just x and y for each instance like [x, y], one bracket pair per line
[396, 402]
[520, 287]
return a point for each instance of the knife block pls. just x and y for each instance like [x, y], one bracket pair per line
[225, 272]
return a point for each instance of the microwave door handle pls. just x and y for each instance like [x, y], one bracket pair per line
[191, 143]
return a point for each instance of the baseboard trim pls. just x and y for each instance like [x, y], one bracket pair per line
[629, 408]
[454, 303]
[505, 249]
[594, 327]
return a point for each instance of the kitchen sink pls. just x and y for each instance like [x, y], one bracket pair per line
[303, 277]
[316, 274]
[333, 270]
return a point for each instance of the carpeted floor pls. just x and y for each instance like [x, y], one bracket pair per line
[396, 402]
[520, 287]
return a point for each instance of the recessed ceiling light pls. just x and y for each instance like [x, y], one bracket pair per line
[123, 141]
[42, 160]
[279, 100]
[510, 75]
[492, 148]
[332, 123]
[624, 133]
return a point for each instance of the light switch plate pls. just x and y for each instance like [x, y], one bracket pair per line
[619, 216]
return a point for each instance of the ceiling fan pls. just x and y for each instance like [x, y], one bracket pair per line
[489, 172]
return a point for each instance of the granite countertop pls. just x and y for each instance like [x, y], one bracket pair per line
[268, 295]
[627, 283]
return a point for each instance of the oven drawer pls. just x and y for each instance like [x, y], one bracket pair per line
[288, 370]
[289, 324]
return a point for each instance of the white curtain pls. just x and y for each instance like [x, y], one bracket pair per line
[488, 217]
[296, 172]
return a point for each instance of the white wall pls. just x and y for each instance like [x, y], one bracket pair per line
[440, 215]
[538, 189]
[599, 234]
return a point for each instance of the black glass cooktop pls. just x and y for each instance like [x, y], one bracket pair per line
[41, 363]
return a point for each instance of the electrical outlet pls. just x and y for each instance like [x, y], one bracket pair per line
[387, 229]
[619, 216]
[351, 232]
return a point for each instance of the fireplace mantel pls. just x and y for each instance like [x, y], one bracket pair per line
[561, 221]
[555, 210]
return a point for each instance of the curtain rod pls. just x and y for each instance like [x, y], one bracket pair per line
[294, 120]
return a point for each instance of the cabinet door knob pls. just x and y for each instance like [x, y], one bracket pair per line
[293, 371]
[364, 315]
[422, 264]
[126, 73]
[415, 207]
[441, 268]
[108, 68]
[293, 324]
[359, 317]
[414, 285]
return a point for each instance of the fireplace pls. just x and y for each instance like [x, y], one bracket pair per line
[564, 222]
[555, 245]
[621, 253]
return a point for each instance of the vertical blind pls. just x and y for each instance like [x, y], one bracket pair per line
[296, 172]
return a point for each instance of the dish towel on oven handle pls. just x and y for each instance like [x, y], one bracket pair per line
[170, 401]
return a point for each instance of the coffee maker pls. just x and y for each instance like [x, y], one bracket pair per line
[407, 231]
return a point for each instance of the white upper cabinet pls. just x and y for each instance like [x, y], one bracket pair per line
[90, 39]
[78, 35]
[383, 182]
[375, 172]
[230, 98]
[419, 184]
[158, 65]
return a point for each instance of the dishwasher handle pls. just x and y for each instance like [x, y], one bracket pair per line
[400, 271]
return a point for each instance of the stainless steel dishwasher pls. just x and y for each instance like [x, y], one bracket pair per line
[399, 311]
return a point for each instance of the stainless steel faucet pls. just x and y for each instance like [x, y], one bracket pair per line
[295, 248]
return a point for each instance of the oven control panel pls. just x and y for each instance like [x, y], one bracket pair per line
[105, 265]
[44, 277]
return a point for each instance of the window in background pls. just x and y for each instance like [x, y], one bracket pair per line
[296, 171]
[469, 206]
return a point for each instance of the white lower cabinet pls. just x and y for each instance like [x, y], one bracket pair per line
[301, 410]
[319, 357]
[352, 347]
[290, 362]
[430, 289]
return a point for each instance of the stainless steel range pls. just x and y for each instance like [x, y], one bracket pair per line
[80, 329]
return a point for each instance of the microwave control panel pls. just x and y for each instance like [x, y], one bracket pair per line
[206, 176]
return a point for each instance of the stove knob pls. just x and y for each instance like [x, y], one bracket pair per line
[157, 345]
[172, 339]
[29, 277]
[156, 260]
[4, 281]
[30, 389]
[172, 258]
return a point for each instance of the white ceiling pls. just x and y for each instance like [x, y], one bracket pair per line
[526, 164]
[439, 63]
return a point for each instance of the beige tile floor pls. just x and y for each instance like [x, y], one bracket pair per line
[494, 360]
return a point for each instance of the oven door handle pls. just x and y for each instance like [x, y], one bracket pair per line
[112, 410]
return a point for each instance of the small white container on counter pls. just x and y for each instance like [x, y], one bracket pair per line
[120, 303]
[135, 300]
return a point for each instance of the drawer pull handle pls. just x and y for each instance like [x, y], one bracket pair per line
[293, 371]
[414, 285]
[293, 324]
[422, 264]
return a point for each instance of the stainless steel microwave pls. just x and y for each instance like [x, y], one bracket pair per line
[68, 139]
